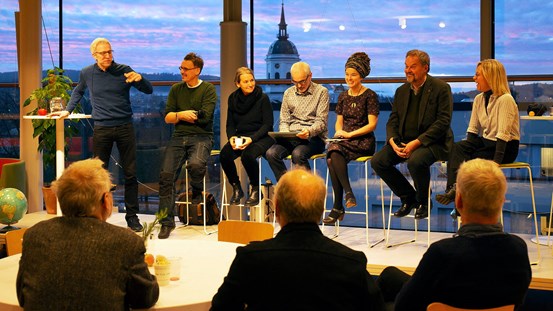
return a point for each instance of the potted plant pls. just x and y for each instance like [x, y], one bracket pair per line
[54, 85]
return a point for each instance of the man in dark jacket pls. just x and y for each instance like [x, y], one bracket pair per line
[418, 132]
[79, 261]
[482, 266]
[308, 270]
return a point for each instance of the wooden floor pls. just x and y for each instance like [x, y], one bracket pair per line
[406, 256]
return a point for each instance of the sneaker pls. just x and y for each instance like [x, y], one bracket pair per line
[447, 197]
[134, 224]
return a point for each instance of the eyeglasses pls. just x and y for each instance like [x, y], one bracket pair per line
[302, 82]
[186, 69]
[109, 52]
[113, 187]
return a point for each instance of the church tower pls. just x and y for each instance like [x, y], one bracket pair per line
[281, 56]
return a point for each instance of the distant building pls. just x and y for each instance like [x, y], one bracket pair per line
[280, 57]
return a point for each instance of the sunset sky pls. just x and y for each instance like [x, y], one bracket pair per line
[153, 38]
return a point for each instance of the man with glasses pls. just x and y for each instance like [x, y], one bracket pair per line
[304, 110]
[190, 107]
[109, 85]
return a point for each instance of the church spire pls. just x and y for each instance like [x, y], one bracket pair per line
[283, 33]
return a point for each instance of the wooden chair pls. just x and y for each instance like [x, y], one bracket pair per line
[14, 241]
[438, 306]
[244, 231]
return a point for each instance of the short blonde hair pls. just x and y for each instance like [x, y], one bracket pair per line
[95, 43]
[242, 71]
[300, 197]
[496, 76]
[482, 187]
[301, 67]
[81, 187]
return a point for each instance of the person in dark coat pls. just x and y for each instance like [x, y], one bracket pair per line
[307, 269]
[418, 132]
[481, 266]
[79, 261]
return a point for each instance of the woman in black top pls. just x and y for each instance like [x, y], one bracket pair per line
[249, 120]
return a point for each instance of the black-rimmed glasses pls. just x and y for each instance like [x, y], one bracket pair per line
[186, 69]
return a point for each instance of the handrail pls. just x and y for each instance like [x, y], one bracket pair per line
[513, 78]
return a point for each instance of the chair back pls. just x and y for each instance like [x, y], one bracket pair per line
[244, 231]
[438, 306]
[12, 174]
[14, 241]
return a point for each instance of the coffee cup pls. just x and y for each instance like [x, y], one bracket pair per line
[238, 141]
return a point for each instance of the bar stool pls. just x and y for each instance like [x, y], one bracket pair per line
[188, 201]
[525, 165]
[365, 161]
[414, 239]
[224, 197]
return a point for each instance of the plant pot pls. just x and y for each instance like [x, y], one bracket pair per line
[50, 200]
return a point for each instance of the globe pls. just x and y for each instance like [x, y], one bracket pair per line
[13, 206]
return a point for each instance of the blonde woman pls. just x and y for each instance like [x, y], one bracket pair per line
[493, 132]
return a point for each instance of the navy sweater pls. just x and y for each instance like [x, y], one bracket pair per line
[109, 93]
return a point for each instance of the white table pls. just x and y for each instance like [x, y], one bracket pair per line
[203, 267]
[60, 140]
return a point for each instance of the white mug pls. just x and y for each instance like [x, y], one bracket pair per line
[238, 141]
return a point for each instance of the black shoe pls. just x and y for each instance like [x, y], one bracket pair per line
[134, 224]
[405, 209]
[253, 198]
[422, 211]
[350, 200]
[334, 215]
[165, 232]
[237, 194]
[447, 197]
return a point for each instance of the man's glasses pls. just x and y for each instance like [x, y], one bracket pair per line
[186, 69]
[105, 53]
[302, 82]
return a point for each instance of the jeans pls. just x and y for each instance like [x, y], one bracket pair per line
[123, 136]
[193, 149]
[300, 149]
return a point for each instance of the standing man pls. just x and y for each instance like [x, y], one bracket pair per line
[318, 273]
[109, 86]
[481, 266]
[418, 132]
[190, 106]
[304, 109]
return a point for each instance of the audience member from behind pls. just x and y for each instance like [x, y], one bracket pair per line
[493, 132]
[304, 110]
[356, 117]
[249, 120]
[481, 266]
[300, 260]
[79, 261]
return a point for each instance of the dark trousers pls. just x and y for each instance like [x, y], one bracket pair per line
[300, 149]
[195, 149]
[248, 157]
[418, 164]
[123, 136]
[465, 150]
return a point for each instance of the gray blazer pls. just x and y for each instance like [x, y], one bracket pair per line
[83, 263]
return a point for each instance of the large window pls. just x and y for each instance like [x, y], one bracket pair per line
[524, 36]
[325, 33]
